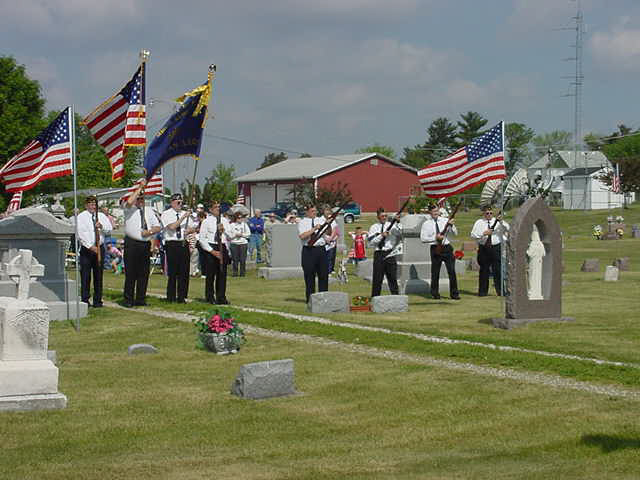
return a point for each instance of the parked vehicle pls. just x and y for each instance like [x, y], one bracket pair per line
[351, 212]
[281, 209]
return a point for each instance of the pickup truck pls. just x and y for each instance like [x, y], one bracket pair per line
[351, 212]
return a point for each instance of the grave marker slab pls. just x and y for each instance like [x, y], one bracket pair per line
[590, 265]
[390, 303]
[270, 379]
[329, 302]
[623, 264]
[611, 274]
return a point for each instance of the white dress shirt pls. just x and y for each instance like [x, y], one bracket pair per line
[428, 231]
[208, 230]
[391, 244]
[86, 232]
[482, 224]
[133, 222]
[306, 224]
[239, 233]
[171, 216]
[333, 238]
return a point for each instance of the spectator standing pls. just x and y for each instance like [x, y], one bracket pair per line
[359, 245]
[332, 239]
[256, 227]
[239, 234]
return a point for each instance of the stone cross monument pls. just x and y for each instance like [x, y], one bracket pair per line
[28, 380]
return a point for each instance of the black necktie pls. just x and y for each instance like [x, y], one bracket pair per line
[143, 221]
[178, 230]
[381, 243]
[437, 228]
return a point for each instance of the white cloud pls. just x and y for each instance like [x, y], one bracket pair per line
[618, 48]
[56, 93]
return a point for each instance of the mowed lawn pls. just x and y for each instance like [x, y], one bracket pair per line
[606, 326]
[170, 416]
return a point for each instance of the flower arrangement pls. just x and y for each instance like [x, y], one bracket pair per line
[219, 332]
[458, 254]
[619, 219]
[360, 300]
[597, 232]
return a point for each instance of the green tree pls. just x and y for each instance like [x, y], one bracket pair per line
[377, 148]
[220, 185]
[518, 137]
[305, 155]
[303, 194]
[414, 157]
[594, 141]
[625, 153]
[441, 139]
[21, 108]
[556, 140]
[272, 159]
[470, 127]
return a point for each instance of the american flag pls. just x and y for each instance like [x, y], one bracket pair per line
[476, 163]
[154, 187]
[15, 202]
[121, 122]
[240, 199]
[615, 183]
[47, 156]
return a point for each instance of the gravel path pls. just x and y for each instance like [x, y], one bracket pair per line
[505, 373]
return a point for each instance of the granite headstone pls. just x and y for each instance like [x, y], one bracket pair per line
[283, 252]
[270, 379]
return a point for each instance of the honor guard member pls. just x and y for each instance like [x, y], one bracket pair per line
[92, 227]
[387, 244]
[314, 257]
[441, 251]
[176, 224]
[489, 232]
[214, 243]
[140, 225]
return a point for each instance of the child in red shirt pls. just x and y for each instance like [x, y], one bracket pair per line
[358, 245]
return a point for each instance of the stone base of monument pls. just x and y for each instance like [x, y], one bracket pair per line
[509, 323]
[390, 303]
[24, 403]
[610, 236]
[280, 273]
[329, 302]
[50, 293]
[270, 379]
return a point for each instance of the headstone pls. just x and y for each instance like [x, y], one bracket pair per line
[474, 266]
[270, 379]
[623, 264]
[635, 231]
[469, 246]
[283, 252]
[138, 348]
[590, 265]
[390, 303]
[546, 303]
[48, 238]
[52, 356]
[329, 302]
[414, 264]
[57, 209]
[28, 379]
[611, 274]
[461, 267]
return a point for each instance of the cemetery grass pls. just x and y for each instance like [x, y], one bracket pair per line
[170, 415]
[606, 320]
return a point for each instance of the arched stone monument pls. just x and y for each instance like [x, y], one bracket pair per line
[534, 267]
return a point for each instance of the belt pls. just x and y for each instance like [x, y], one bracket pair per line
[136, 240]
[176, 242]
[313, 246]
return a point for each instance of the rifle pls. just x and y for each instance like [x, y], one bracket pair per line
[395, 220]
[488, 242]
[327, 224]
[446, 227]
[97, 236]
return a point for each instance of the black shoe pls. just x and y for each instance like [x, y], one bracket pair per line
[127, 304]
[455, 297]
[141, 304]
[435, 296]
[482, 294]
[224, 301]
[97, 305]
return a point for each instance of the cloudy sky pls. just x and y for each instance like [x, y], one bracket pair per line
[329, 76]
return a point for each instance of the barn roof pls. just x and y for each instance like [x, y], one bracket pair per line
[567, 159]
[312, 167]
[580, 172]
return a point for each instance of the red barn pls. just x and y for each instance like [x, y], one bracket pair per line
[373, 179]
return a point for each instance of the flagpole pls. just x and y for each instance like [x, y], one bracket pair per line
[503, 249]
[72, 134]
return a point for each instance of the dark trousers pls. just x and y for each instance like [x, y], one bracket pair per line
[202, 255]
[314, 263]
[89, 266]
[489, 261]
[331, 259]
[437, 259]
[136, 273]
[216, 276]
[177, 270]
[238, 258]
[384, 266]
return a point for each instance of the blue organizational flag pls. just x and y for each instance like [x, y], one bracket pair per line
[182, 134]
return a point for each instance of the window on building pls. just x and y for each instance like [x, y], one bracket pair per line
[374, 162]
